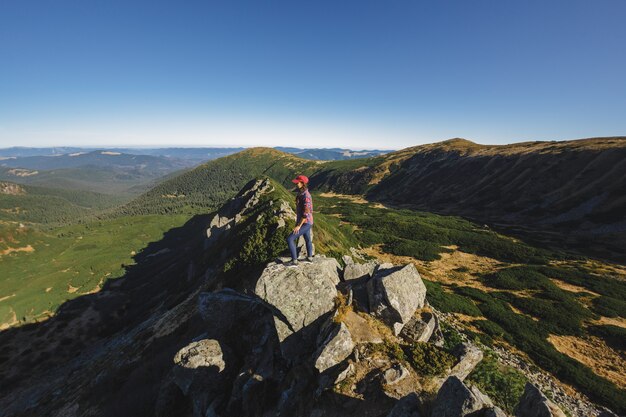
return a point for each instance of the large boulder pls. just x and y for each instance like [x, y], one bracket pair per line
[200, 371]
[304, 296]
[201, 360]
[335, 349]
[455, 399]
[395, 293]
[534, 404]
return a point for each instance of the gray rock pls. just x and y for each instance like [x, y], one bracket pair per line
[357, 271]
[455, 399]
[231, 212]
[198, 364]
[420, 328]
[303, 296]
[335, 349]
[469, 356]
[347, 259]
[395, 293]
[534, 404]
[395, 374]
[407, 406]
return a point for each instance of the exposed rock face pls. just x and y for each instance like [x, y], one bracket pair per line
[304, 296]
[469, 356]
[407, 406]
[231, 213]
[534, 404]
[395, 293]
[455, 399]
[335, 349]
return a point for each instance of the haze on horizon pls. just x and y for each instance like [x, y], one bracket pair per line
[351, 74]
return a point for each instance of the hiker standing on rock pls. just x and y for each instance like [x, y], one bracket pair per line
[304, 221]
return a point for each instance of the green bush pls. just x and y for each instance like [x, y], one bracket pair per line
[449, 302]
[503, 384]
[609, 306]
[614, 336]
[428, 359]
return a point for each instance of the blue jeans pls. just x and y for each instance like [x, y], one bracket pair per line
[293, 238]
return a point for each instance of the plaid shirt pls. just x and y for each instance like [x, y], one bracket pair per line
[304, 207]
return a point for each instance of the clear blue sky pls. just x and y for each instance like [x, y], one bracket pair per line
[367, 74]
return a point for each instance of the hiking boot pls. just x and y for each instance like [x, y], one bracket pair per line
[291, 264]
[308, 259]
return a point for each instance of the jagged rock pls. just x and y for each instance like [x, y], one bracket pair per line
[335, 349]
[455, 399]
[395, 374]
[231, 212]
[469, 356]
[357, 271]
[395, 293]
[206, 353]
[304, 296]
[534, 404]
[407, 406]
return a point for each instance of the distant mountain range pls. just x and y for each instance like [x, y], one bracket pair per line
[196, 155]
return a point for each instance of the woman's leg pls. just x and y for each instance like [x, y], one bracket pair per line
[307, 240]
[291, 242]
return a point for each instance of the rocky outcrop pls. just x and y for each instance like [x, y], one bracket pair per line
[233, 212]
[288, 347]
[534, 404]
[304, 296]
[395, 293]
[455, 399]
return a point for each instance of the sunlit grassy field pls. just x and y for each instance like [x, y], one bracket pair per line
[50, 267]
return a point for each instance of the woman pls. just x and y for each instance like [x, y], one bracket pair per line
[304, 221]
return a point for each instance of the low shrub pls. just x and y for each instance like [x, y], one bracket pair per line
[428, 359]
